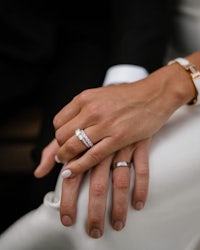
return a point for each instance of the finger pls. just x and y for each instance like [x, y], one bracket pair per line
[68, 204]
[67, 113]
[78, 104]
[90, 158]
[141, 166]
[47, 159]
[78, 143]
[67, 130]
[121, 188]
[84, 119]
[99, 182]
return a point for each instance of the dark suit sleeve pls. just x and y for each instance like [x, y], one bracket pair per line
[139, 32]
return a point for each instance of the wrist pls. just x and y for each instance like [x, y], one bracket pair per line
[177, 84]
[180, 85]
[171, 88]
[194, 74]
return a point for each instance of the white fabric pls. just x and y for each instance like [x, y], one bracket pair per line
[124, 73]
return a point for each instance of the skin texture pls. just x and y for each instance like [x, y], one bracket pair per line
[121, 121]
[116, 116]
[99, 182]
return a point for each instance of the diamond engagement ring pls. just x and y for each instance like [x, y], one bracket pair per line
[80, 133]
[121, 164]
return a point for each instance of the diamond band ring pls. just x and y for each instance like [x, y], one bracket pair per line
[80, 133]
[121, 164]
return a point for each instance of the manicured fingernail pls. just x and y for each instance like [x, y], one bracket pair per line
[57, 159]
[95, 233]
[66, 220]
[67, 173]
[139, 205]
[118, 225]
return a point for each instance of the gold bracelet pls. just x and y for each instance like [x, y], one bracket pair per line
[195, 75]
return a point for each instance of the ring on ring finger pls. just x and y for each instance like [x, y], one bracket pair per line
[121, 164]
[80, 133]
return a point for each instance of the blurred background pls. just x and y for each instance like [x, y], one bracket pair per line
[48, 54]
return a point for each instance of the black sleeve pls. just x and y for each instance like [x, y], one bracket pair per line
[139, 32]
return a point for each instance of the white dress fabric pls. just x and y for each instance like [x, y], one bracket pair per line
[171, 216]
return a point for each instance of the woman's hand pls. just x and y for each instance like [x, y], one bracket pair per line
[116, 116]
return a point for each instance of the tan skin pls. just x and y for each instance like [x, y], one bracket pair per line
[106, 114]
[120, 120]
[99, 183]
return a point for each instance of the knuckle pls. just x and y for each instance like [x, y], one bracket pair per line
[67, 207]
[119, 136]
[95, 157]
[95, 220]
[108, 123]
[141, 193]
[59, 137]
[80, 168]
[93, 111]
[71, 148]
[84, 96]
[142, 171]
[74, 181]
[99, 189]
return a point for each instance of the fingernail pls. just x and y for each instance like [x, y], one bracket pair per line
[57, 159]
[139, 205]
[95, 233]
[67, 173]
[118, 225]
[66, 220]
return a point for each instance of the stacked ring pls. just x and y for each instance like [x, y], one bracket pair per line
[80, 133]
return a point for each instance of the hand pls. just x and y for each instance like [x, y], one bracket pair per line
[98, 190]
[118, 115]
[99, 184]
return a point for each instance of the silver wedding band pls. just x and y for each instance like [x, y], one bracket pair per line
[121, 164]
[80, 133]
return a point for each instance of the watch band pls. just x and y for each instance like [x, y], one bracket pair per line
[195, 75]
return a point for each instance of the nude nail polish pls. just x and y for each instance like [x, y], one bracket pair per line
[67, 221]
[118, 225]
[95, 233]
[139, 205]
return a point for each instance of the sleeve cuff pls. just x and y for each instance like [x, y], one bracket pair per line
[124, 73]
